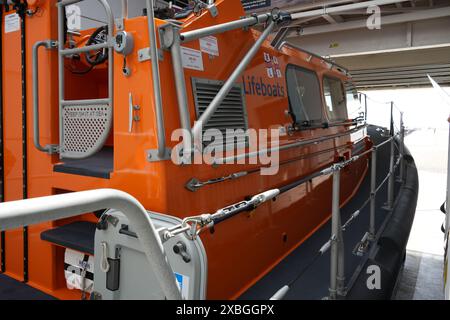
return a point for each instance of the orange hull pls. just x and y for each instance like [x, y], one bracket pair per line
[242, 249]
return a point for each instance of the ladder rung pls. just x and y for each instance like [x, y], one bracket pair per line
[66, 52]
[85, 102]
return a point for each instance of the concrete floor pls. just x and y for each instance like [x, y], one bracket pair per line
[422, 275]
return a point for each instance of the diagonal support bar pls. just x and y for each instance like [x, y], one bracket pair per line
[197, 128]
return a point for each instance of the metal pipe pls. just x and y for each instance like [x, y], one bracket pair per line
[224, 27]
[402, 148]
[180, 84]
[15, 214]
[218, 99]
[110, 19]
[365, 106]
[156, 80]
[390, 196]
[335, 226]
[286, 146]
[373, 186]
[49, 44]
[93, 47]
[62, 52]
[341, 259]
[124, 9]
[84, 102]
[333, 63]
[61, 71]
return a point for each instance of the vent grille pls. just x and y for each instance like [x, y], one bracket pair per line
[231, 114]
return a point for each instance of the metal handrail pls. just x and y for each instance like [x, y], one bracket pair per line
[48, 44]
[225, 89]
[161, 136]
[62, 52]
[224, 27]
[299, 143]
[180, 83]
[16, 214]
[336, 241]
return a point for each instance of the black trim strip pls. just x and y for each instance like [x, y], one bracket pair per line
[21, 10]
[2, 162]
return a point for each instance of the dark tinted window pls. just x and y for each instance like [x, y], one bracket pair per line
[335, 99]
[304, 96]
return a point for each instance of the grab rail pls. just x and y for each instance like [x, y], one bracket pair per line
[48, 44]
[161, 136]
[336, 241]
[62, 52]
[16, 214]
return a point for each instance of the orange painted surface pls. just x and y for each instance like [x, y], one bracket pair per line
[243, 248]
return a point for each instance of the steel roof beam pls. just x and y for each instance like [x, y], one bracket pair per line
[386, 20]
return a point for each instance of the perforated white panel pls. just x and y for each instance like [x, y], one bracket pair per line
[84, 129]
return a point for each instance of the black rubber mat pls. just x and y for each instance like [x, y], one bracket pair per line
[100, 165]
[78, 236]
[315, 281]
[11, 289]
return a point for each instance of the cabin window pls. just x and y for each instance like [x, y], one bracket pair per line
[335, 99]
[354, 107]
[304, 96]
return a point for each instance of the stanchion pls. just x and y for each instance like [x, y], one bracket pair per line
[373, 186]
[401, 177]
[391, 181]
[337, 275]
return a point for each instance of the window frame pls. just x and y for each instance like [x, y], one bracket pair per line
[316, 123]
[329, 120]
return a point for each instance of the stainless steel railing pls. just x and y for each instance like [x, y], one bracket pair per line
[16, 214]
[336, 240]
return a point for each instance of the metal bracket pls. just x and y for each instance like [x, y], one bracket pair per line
[144, 55]
[52, 148]
[120, 26]
[96, 296]
[152, 155]
[363, 246]
[193, 185]
[213, 10]
[166, 34]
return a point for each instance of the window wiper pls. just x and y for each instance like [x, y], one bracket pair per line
[359, 118]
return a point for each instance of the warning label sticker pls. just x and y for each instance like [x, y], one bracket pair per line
[209, 45]
[12, 23]
[192, 59]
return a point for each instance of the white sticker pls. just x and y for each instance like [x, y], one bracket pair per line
[278, 72]
[275, 60]
[270, 72]
[183, 284]
[192, 59]
[12, 23]
[209, 45]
